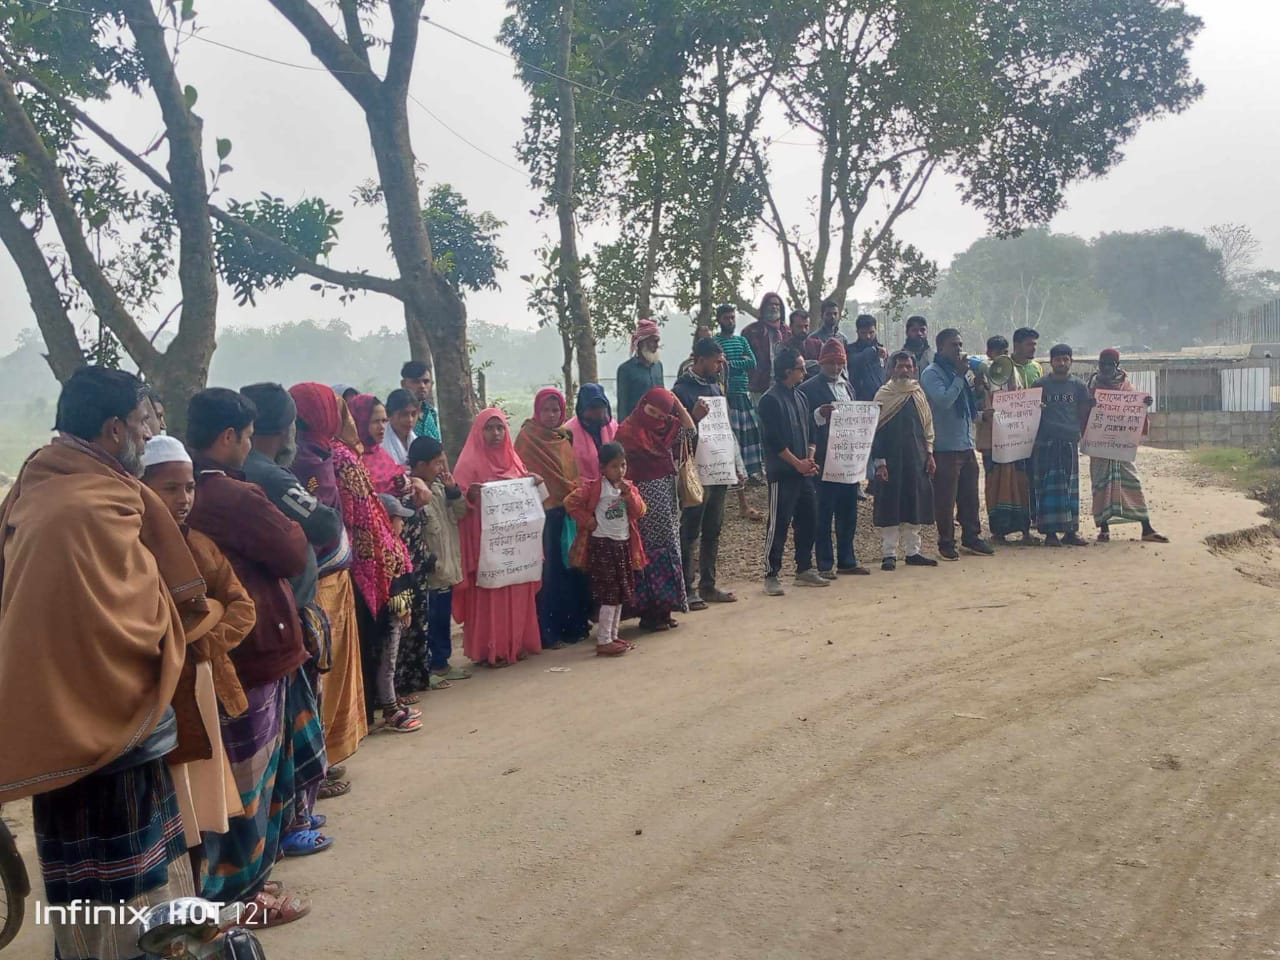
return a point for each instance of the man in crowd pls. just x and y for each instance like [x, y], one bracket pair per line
[837, 502]
[902, 454]
[415, 376]
[1066, 402]
[789, 463]
[1117, 488]
[89, 661]
[404, 413]
[866, 359]
[830, 329]
[275, 748]
[740, 364]
[1008, 485]
[798, 338]
[642, 371]
[270, 467]
[765, 337]
[949, 385]
[918, 343]
[701, 524]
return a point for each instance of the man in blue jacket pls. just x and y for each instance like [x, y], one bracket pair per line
[949, 386]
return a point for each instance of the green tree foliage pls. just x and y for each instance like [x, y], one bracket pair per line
[1166, 285]
[1037, 279]
[465, 242]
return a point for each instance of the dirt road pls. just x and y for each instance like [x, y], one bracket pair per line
[1066, 753]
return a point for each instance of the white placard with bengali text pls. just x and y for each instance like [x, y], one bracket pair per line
[511, 522]
[853, 428]
[714, 455]
[1115, 425]
[1015, 423]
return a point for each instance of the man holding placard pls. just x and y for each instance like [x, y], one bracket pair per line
[837, 498]
[1116, 427]
[699, 390]
[1065, 401]
[1008, 479]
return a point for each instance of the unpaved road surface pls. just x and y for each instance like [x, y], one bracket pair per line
[1050, 753]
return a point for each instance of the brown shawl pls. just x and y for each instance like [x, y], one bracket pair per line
[549, 454]
[893, 396]
[95, 577]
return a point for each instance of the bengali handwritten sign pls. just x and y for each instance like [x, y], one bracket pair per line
[1115, 425]
[1014, 424]
[853, 427]
[511, 522]
[714, 456]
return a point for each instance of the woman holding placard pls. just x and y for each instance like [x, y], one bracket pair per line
[500, 625]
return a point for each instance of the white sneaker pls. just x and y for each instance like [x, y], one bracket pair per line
[811, 578]
[773, 587]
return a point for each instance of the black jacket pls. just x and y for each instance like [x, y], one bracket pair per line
[689, 391]
[784, 425]
[866, 369]
[817, 393]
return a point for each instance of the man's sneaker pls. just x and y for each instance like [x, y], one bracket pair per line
[889, 563]
[811, 578]
[947, 551]
[979, 546]
[920, 560]
[828, 574]
[773, 587]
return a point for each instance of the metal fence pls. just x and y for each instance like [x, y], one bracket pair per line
[1259, 325]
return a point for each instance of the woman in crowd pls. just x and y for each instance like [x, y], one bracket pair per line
[545, 448]
[591, 428]
[499, 626]
[371, 426]
[343, 703]
[651, 437]
[378, 558]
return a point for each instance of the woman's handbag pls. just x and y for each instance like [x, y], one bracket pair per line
[688, 483]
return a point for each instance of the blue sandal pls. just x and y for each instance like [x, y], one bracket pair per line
[303, 843]
[318, 820]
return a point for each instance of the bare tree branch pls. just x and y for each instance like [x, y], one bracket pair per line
[337, 56]
[405, 17]
[24, 137]
[65, 355]
[354, 30]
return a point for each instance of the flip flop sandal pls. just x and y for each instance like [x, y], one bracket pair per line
[719, 596]
[400, 722]
[413, 712]
[698, 604]
[1104, 538]
[265, 911]
[304, 843]
[438, 682]
[336, 772]
[1154, 537]
[317, 821]
[408, 701]
[331, 789]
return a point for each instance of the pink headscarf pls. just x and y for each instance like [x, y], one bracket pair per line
[481, 463]
[387, 475]
[645, 330]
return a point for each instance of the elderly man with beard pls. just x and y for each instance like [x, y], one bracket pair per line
[642, 371]
[902, 454]
[97, 593]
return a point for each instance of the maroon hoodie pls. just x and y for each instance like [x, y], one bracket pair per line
[265, 548]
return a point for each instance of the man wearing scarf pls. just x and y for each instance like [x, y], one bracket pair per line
[702, 523]
[837, 502]
[89, 661]
[948, 383]
[765, 337]
[1117, 488]
[642, 371]
[902, 454]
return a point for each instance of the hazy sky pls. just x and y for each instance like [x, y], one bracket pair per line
[296, 133]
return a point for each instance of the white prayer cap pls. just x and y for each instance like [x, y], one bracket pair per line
[164, 449]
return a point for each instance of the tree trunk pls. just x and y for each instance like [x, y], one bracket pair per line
[416, 329]
[566, 177]
[566, 368]
[644, 296]
[440, 330]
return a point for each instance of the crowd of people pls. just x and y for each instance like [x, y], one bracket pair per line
[211, 627]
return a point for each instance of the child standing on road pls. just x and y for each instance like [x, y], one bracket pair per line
[608, 543]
